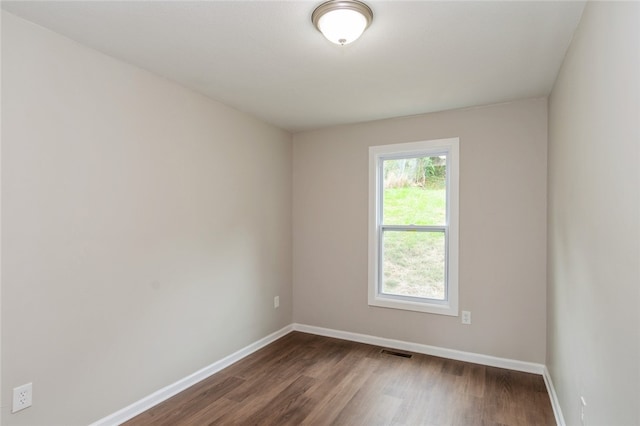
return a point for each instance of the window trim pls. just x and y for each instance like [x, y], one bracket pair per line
[378, 153]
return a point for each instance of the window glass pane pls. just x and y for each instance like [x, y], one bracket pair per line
[415, 191]
[413, 264]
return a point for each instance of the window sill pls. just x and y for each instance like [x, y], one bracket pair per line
[407, 305]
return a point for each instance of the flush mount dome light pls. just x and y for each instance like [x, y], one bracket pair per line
[342, 21]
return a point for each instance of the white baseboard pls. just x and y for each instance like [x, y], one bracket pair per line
[555, 404]
[492, 361]
[167, 392]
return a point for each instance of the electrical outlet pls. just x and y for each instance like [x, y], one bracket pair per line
[466, 317]
[22, 397]
[276, 302]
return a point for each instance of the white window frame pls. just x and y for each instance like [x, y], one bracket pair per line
[377, 154]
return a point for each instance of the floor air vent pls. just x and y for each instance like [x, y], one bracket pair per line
[394, 353]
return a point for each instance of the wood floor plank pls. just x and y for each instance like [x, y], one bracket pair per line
[199, 396]
[258, 400]
[371, 404]
[285, 406]
[302, 379]
[369, 409]
[329, 407]
[210, 415]
[418, 392]
[473, 380]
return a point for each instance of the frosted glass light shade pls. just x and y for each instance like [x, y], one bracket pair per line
[342, 22]
[342, 26]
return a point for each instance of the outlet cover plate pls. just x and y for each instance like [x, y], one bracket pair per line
[22, 397]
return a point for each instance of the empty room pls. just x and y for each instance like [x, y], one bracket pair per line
[305, 212]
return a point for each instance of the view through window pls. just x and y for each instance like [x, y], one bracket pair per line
[414, 201]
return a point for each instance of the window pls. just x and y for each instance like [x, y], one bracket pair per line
[413, 226]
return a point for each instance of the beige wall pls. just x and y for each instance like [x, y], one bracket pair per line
[146, 229]
[594, 219]
[503, 161]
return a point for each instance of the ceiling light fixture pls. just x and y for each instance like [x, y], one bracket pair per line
[342, 21]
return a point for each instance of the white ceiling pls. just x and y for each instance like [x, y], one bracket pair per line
[267, 59]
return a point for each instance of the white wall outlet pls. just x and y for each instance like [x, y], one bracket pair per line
[276, 302]
[22, 397]
[466, 317]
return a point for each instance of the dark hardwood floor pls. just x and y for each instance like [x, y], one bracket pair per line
[312, 380]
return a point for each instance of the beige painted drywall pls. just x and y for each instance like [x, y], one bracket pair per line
[594, 219]
[503, 160]
[145, 229]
